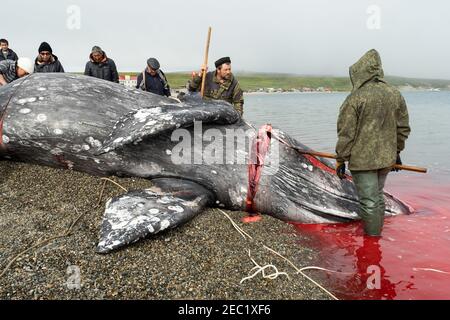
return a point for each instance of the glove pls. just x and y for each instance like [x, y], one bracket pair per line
[340, 169]
[398, 161]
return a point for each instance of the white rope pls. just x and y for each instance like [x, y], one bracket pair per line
[276, 273]
[262, 269]
[239, 229]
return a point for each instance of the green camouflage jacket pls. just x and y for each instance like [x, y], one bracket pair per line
[229, 90]
[373, 122]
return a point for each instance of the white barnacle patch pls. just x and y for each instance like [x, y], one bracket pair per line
[236, 196]
[41, 117]
[85, 147]
[25, 111]
[26, 100]
[310, 168]
[61, 145]
[167, 117]
[56, 151]
[58, 131]
[93, 142]
[5, 139]
[150, 123]
[153, 211]
[168, 152]
[164, 225]
[176, 208]
[213, 171]
[76, 148]
[70, 165]
[141, 115]
[163, 200]
[304, 165]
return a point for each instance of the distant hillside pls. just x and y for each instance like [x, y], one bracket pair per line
[287, 82]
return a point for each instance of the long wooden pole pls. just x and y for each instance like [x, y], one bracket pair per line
[205, 62]
[333, 156]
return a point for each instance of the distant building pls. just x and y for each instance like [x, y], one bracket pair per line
[128, 81]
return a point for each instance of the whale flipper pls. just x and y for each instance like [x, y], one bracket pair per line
[152, 121]
[140, 213]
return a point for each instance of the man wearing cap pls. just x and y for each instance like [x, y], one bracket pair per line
[46, 61]
[7, 53]
[11, 70]
[153, 80]
[100, 66]
[220, 85]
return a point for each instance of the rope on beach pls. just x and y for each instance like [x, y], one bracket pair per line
[239, 229]
[275, 275]
[42, 243]
[105, 180]
[262, 269]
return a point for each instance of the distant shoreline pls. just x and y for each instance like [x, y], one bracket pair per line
[273, 83]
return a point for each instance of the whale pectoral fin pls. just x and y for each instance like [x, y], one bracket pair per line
[147, 122]
[140, 213]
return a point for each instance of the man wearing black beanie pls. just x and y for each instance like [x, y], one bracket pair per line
[46, 61]
[220, 85]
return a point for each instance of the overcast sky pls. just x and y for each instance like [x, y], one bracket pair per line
[320, 37]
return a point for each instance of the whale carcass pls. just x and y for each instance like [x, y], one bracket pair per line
[196, 153]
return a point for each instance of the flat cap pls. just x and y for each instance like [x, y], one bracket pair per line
[153, 63]
[221, 61]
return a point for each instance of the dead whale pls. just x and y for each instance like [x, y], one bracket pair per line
[197, 154]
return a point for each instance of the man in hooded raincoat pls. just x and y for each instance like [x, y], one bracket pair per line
[372, 127]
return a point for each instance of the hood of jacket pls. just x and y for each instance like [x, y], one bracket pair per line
[367, 68]
[105, 58]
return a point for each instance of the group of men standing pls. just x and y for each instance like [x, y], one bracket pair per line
[99, 65]
[219, 84]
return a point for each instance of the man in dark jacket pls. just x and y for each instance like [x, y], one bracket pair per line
[372, 127]
[100, 66]
[6, 53]
[220, 85]
[153, 80]
[46, 61]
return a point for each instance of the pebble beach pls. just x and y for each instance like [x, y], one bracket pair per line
[207, 258]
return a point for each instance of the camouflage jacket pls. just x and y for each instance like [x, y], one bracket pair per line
[229, 90]
[373, 122]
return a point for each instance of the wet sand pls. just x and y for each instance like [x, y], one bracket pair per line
[204, 259]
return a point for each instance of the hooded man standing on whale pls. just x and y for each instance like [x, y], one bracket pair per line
[372, 127]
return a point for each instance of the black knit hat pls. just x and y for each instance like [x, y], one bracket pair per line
[221, 61]
[45, 47]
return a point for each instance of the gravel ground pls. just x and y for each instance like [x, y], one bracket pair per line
[204, 259]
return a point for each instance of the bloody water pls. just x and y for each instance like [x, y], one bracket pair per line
[413, 248]
[412, 257]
